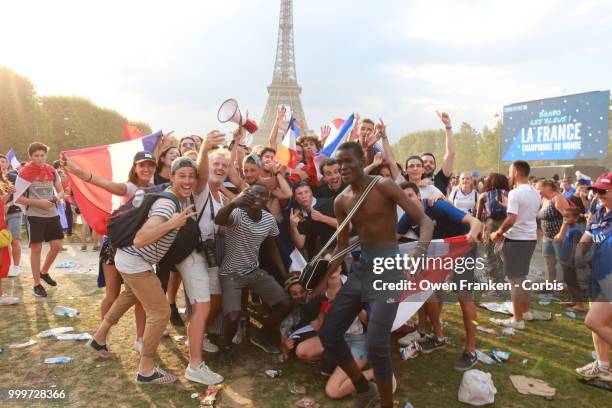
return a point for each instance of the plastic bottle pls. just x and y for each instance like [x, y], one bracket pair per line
[59, 360]
[65, 311]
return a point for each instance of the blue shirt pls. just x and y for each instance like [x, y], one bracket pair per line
[600, 229]
[570, 239]
[570, 192]
[446, 217]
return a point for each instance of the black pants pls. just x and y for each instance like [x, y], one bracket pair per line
[345, 307]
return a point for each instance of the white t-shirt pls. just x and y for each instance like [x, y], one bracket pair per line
[464, 202]
[207, 223]
[524, 201]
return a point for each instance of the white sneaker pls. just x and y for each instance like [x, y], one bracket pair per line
[411, 337]
[240, 333]
[203, 375]
[6, 300]
[138, 344]
[14, 271]
[520, 325]
[209, 346]
[528, 316]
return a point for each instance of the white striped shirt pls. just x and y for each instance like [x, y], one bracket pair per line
[152, 253]
[243, 239]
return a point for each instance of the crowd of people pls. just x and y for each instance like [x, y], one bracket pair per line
[242, 217]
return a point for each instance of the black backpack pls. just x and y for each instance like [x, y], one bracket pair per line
[186, 241]
[126, 220]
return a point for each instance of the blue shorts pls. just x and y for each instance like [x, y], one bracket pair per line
[357, 344]
[550, 247]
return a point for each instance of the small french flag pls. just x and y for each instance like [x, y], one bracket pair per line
[12, 158]
[286, 153]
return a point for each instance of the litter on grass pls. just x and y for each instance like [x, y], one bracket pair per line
[533, 386]
[486, 330]
[55, 331]
[483, 358]
[22, 345]
[506, 308]
[74, 336]
[66, 265]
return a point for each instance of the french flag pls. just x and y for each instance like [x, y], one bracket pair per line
[333, 141]
[447, 249]
[12, 158]
[286, 154]
[111, 162]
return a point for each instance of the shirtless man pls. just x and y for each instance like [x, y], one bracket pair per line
[375, 222]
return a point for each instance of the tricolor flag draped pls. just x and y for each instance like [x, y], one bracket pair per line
[112, 162]
[333, 141]
[12, 158]
[286, 153]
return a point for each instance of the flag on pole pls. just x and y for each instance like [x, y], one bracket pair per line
[332, 143]
[131, 132]
[12, 158]
[286, 153]
[111, 162]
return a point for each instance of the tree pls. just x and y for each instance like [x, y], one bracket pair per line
[61, 122]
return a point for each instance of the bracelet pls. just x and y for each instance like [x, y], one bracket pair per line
[448, 127]
[90, 177]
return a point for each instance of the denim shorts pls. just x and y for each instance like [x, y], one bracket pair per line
[357, 344]
[550, 247]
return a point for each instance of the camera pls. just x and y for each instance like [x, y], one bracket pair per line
[209, 249]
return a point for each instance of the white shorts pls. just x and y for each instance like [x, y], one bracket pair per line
[195, 277]
[213, 281]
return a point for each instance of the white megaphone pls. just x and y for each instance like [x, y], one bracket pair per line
[229, 112]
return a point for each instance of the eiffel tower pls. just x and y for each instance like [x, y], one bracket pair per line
[284, 89]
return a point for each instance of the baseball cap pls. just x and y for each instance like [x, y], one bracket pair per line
[603, 182]
[182, 162]
[143, 156]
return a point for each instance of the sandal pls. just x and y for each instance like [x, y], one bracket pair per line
[100, 349]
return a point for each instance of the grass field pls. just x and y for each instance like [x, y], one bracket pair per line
[553, 349]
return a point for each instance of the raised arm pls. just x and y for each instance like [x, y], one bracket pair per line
[280, 118]
[213, 138]
[449, 157]
[283, 192]
[119, 189]
[381, 131]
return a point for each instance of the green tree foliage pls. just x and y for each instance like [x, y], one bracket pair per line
[62, 122]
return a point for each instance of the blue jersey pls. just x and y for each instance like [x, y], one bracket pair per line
[446, 217]
[600, 229]
[570, 239]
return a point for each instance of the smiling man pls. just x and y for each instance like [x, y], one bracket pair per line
[135, 264]
[375, 222]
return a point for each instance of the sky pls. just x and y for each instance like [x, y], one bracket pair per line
[171, 64]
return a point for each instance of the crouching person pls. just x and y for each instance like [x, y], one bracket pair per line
[135, 265]
[248, 227]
